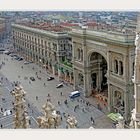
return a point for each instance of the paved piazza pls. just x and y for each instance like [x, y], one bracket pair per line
[12, 70]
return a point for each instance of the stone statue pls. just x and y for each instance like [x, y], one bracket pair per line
[72, 122]
[50, 119]
[120, 124]
[137, 40]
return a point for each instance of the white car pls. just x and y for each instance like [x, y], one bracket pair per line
[59, 85]
[7, 113]
[27, 62]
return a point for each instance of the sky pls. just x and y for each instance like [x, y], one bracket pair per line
[70, 5]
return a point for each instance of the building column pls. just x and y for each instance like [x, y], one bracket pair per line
[100, 75]
[59, 74]
[75, 75]
[70, 78]
[53, 70]
[110, 98]
[87, 84]
[126, 106]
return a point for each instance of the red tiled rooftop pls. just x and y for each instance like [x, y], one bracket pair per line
[46, 26]
[68, 24]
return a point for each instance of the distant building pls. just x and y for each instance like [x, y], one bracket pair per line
[103, 65]
[2, 29]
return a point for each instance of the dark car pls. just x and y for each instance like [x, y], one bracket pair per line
[2, 50]
[20, 59]
[50, 78]
[32, 78]
[59, 85]
[8, 53]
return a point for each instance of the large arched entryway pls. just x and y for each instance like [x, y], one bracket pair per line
[98, 68]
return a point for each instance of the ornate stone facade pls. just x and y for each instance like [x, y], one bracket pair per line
[135, 119]
[103, 67]
[2, 29]
[102, 62]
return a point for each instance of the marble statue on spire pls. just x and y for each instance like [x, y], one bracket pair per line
[135, 119]
[137, 40]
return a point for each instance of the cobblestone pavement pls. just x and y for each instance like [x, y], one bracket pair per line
[12, 70]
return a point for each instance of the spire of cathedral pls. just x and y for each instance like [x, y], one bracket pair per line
[135, 120]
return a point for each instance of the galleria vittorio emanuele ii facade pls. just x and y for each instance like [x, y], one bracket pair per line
[100, 64]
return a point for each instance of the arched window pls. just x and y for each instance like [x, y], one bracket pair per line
[133, 68]
[81, 55]
[81, 79]
[78, 53]
[120, 67]
[116, 66]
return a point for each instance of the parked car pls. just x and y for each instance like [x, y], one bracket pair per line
[74, 94]
[16, 57]
[2, 50]
[27, 62]
[32, 78]
[50, 78]
[8, 53]
[12, 55]
[59, 85]
[20, 59]
[7, 113]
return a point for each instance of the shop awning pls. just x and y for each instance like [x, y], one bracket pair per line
[114, 116]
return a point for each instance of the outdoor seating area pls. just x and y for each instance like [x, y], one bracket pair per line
[101, 97]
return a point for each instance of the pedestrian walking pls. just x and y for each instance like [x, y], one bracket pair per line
[66, 126]
[36, 97]
[44, 84]
[65, 102]
[64, 114]
[61, 93]
[3, 99]
[1, 109]
[28, 105]
[58, 102]
[29, 122]
[12, 103]
[74, 108]
[83, 109]
[91, 118]
[1, 126]
[11, 111]
[48, 95]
